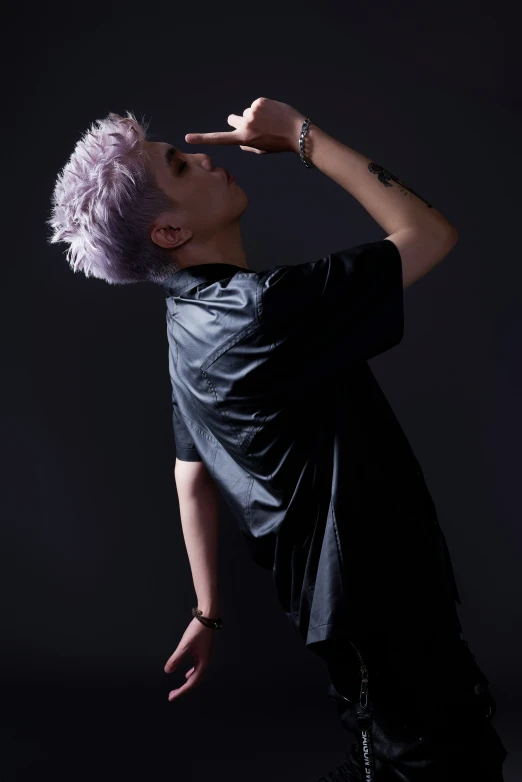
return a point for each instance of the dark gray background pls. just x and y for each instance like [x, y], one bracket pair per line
[97, 586]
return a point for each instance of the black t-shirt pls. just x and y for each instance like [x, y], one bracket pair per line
[271, 389]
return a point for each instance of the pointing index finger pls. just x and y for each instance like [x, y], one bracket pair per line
[227, 137]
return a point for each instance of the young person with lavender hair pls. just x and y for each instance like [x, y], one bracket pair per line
[133, 211]
[276, 408]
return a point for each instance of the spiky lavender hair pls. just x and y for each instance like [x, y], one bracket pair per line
[104, 202]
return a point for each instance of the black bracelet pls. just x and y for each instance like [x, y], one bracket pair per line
[215, 624]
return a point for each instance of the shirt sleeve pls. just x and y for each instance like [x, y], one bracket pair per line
[185, 448]
[345, 307]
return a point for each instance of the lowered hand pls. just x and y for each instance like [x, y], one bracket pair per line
[197, 642]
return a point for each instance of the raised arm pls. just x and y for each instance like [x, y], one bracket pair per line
[422, 234]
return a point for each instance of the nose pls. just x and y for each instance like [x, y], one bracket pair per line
[208, 160]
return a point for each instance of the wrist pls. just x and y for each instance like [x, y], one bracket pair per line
[293, 141]
[214, 623]
[212, 610]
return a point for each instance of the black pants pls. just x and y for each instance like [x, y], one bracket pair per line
[431, 710]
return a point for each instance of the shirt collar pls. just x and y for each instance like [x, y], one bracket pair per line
[202, 272]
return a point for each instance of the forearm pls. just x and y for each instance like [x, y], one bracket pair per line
[199, 505]
[388, 200]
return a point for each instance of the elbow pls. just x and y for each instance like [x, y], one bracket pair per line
[444, 241]
[453, 236]
[443, 234]
[450, 240]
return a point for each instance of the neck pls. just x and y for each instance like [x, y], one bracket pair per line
[224, 248]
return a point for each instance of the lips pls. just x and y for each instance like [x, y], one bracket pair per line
[230, 177]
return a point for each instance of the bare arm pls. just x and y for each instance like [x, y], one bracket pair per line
[385, 197]
[198, 498]
[421, 233]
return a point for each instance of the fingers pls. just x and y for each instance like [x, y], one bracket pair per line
[252, 149]
[174, 660]
[194, 678]
[228, 137]
[219, 137]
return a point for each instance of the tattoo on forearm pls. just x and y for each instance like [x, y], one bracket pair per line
[385, 176]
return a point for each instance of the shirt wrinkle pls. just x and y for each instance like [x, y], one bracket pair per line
[278, 400]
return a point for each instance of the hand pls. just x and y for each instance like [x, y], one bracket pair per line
[267, 126]
[197, 641]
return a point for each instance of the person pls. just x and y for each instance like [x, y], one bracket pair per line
[276, 408]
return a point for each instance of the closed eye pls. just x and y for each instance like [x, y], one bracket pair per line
[182, 166]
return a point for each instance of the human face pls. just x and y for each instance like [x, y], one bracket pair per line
[203, 227]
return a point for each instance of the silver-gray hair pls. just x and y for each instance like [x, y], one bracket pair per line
[104, 203]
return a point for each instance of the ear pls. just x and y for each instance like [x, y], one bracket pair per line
[165, 235]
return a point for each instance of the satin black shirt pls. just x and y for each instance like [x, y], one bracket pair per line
[271, 389]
